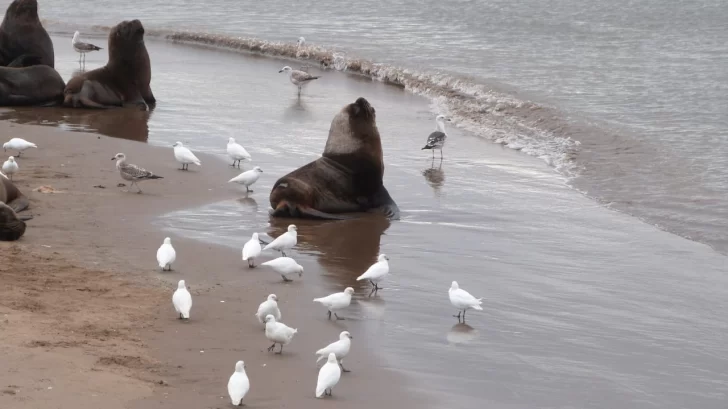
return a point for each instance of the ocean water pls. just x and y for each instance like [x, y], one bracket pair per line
[585, 306]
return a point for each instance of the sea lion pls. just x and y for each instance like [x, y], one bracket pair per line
[123, 81]
[347, 177]
[12, 226]
[23, 40]
[36, 85]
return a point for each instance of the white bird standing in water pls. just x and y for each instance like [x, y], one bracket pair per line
[336, 301]
[166, 255]
[268, 307]
[18, 144]
[10, 167]
[239, 384]
[436, 140]
[182, 300]
[328, 376]
[462, 300]
[184, 156]
[285, 241]
[298, 78]
[81, 47]
[340, 348]
[285, 266]
[247, 178]
[251, 250]
[236, 152]
[278, 332]
[377, 272]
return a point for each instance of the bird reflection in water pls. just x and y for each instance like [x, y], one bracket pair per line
[461, 333]
[435, 176]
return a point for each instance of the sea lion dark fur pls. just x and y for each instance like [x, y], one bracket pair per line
[348, 176]
[123, 81]
[12, 226]
[36, 85]
[23, 40]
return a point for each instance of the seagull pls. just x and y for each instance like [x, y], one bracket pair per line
[237, 152]
[285, 241]
[328, 376]
[278, 332]
[10, 167]
[297, 77]
[132, 173]
[251, 250]
[182, 300]
[239, 384]
[166, 255]
[285, 266]
[268, 307]
[19, 145]
[336, 301]
[462, 300]
[340, 348]
[81, 47]
[184, 156]
[247, 178]
[436, 140]
[376, 272]
[301, 42]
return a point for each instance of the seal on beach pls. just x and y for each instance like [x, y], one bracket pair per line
[123, 81]
[23, 40]
[347, 177]
[12, 226]
[36, 85]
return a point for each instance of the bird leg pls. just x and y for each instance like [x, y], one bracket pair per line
[270, 348]
[251, 263]
[464, 316]
[341, 364]
[329, 314]
[281, 351]
[284, 253]
[137, 185]
[338, 318]
[286, 279]
[248, 190]
[180, 316]
[457, 316]
[440, 153]
[233, 165]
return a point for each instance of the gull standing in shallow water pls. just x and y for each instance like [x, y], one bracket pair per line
[278, 332]
[18, 144]
[462, 300]
[184, 156]
[166, 255]
[236, 152]
[182, 300]
[340, 348]
[251, 250]
[81, 47]
[247, 178]
[239, 384]
[376, 272]
[132, 173]
[328, 377]
[336, 301]
[297, 77]
[436, 140]
[285, 241]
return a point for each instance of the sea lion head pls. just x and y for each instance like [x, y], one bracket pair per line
[354, 131]
[125, 38]
[11, 228]
[25, 9]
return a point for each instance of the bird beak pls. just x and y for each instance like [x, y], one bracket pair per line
[280, 71]
[113, 158]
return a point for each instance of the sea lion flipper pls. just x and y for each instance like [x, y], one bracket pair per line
[19, 204]
[382, 202]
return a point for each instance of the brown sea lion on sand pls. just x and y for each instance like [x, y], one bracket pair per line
[348, 176]
[23, 40]
[12, 226]
[36, 85]
[123, 81]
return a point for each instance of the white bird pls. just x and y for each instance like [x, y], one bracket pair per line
[184, 156]
[166, 255]
[462, 300]
[298, 78]
[376, 272]
[19, 145]
[81, 47]
[340, 348]
[10, 167]
[268, 307]
[285, 266]
[251, 250]
[328, 376]
[236, 152]
[285, 241]
[278, 332]
[336, 301]
[132, 173]
[436, 140]
[301, 42]
[247, 178]
[182, 300]
[239, 384]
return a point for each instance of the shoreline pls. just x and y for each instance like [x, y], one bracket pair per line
[111, 244]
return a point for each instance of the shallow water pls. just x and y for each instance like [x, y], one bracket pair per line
[584, 307]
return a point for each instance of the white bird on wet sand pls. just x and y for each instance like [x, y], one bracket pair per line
[81, 47]
[251, 250]
[285, 241]
[166, 255]
[236, 152]
[336, 301]
[298, 78]
[239, 384]
[132, 173]
[328, 376]
[436, 140]
[18, 144]
[10, 167]
[340, 348]
[268, 307]
[462, 300]
[247, 178]
[278, 332]
[182, 300]
[376, 272]
[184, 156]
[285, 266]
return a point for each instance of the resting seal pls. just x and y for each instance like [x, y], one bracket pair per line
[12, 227]
[348, 176]
[36, 85]
[123, 81]
[23, 40]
